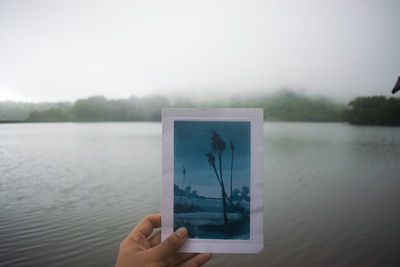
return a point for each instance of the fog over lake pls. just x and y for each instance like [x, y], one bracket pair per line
[70, 192]
[75, 49]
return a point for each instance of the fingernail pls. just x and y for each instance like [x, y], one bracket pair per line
[181, 232]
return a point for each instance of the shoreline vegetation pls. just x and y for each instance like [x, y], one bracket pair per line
[281, 106]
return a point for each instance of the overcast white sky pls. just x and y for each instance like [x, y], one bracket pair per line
[64, 50]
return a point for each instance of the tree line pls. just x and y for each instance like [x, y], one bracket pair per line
[283, 106]
[374, 110]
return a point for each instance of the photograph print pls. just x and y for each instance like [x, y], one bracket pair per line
[212, 165]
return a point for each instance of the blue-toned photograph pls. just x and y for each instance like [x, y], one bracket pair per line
[212, 179]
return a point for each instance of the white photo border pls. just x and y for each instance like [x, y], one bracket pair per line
[255, 116]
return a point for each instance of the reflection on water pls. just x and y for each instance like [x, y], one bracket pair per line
[69, 193]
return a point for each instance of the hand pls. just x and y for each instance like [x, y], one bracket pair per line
[140, 250]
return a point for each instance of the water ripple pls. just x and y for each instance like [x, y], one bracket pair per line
[69, 193]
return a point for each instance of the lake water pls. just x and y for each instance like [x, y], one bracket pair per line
[70, 192]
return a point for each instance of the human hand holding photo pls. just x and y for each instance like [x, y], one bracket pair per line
[139, 248]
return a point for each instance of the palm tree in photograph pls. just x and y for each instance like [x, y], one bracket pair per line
[232, 149]
[184, 175]
[183, 182]
[217, 147]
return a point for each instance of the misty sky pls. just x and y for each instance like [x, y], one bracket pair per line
[64, 50]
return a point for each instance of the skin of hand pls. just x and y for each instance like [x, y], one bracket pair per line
[141, 249]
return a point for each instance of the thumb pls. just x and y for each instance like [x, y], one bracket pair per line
[171, 245]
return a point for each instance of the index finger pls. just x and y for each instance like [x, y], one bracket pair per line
[147, 225]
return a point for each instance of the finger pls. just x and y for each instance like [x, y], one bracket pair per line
[146, 225]
[155, 239]
[179, 258]
[197, 260]
[171, 245]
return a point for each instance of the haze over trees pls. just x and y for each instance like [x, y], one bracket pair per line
[282, 106]
[19, 111]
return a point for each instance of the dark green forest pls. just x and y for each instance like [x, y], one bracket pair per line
[374, 110]
[281, 106]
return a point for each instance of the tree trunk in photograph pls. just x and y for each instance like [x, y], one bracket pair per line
[222, 189]
[183, 187]
[224, 203]
[231, 174]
